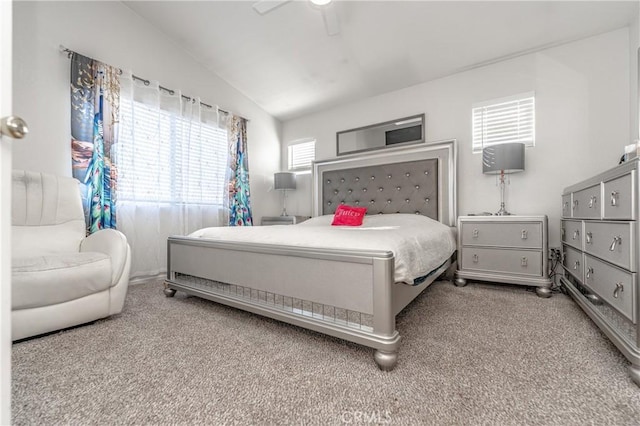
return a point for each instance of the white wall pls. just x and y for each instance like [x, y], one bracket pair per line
[112, 33]
[582, 122]
[634, 77]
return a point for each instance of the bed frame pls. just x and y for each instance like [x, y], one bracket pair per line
[349, 294]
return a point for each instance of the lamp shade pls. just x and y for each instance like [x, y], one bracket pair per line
[284, 180]
[506, 157]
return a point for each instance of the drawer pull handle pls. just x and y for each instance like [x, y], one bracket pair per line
[575, 204]
[589, 272]
[576, 264]
[563, 232]
[475, 258]
[576, 234]
[565, 206]
[616, 240]
[619, 289]
[476, 233]
[592, 201]
[614, 198]
[524, 234]
[523, 262]
[589, 237]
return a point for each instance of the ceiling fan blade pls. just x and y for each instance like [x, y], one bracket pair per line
[330, 18]
[266, 6]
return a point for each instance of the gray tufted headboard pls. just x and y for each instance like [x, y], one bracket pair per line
[408, 187]
[416, 179]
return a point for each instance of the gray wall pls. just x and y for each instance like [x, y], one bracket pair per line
[583, 98]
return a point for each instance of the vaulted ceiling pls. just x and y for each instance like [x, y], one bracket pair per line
[286, 62]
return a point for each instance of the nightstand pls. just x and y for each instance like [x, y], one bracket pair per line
[504, 249]
[282, 220]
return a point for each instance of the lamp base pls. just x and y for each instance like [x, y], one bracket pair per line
[284, 203]
[503, 211]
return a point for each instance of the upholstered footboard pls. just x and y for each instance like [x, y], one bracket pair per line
[345, 294]
[349, 294]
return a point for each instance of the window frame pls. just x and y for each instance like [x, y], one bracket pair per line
[174, 126]
[522, 99]
[290, 160]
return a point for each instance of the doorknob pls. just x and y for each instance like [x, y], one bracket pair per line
[14, 127]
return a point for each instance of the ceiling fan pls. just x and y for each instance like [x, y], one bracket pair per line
[326, 7]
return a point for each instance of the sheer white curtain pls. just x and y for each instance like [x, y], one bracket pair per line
[171, 158]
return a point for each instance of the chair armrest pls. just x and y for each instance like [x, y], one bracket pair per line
[112, 243]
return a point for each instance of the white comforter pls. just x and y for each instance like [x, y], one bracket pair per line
[419, 244]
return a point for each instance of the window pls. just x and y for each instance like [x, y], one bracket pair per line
[504, 120]
[301, 154]
[163, 157]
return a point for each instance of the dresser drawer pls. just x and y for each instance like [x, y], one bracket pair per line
[571, 233]
[616, 286]
[611, 241]
[572, 261]
[586, 203]
[618, 198]
[522, 262]
[566, 205]
[502, 234]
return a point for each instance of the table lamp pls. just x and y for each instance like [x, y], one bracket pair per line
[284, 181]
[500, 160]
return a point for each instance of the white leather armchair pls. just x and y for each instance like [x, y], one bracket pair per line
[60, 278]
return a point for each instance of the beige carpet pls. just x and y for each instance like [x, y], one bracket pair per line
[481, 354]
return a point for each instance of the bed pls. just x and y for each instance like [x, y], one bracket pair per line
[350, 291]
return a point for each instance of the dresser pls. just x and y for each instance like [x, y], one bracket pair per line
[504, 249]
[599, 233]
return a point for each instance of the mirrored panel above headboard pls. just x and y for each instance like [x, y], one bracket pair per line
[402, 131]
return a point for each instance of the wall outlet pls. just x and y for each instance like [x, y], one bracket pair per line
[555, 254]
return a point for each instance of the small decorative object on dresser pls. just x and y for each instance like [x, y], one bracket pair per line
[282, 220]
[504, 249]
[600, 250]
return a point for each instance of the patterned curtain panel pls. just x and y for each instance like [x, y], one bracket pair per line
[95, 99]
[239, 207]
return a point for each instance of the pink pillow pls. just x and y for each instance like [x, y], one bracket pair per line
[349, 216]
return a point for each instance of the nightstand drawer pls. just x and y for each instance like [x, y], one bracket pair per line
[611, 241]
[618, 201]
[572, 262]
[614, 285]
[282, 220]
[521, 262]
[571, 233]
[502, 234]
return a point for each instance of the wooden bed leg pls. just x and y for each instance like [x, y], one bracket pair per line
[460, 282]
[169, 292]
[634, 372]
[386, 360]
[543, 292]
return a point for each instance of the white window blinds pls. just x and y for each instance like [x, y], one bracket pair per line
[504, 120]
[163, 157]
[301, 155]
